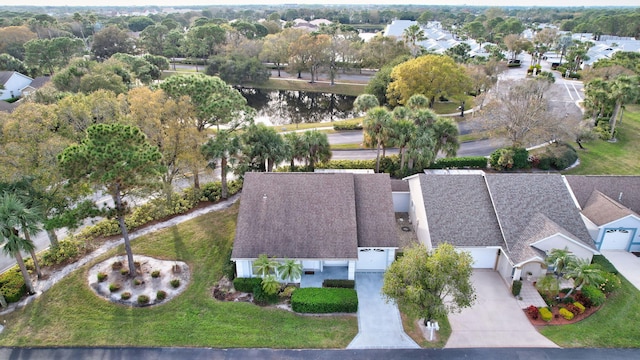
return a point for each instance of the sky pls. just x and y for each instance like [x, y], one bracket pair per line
[537, 3]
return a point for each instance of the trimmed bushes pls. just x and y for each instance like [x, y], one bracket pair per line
[324, 300]
[566, 313]
[343, 127]
[545, 314]
[580, 307]
[338, 283]
[473, 162]
[12, 285]
[516, 287]
[593, 294]
[66, 250]
[246, 284]
[509, 158]
[347, 164]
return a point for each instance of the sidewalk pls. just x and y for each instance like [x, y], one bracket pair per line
[42, 286]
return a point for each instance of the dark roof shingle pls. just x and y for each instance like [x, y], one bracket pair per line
[374, 211]
[623, 189]
[601, 209]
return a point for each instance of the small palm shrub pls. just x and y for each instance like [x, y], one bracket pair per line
[155, 274]
[114, 287]
[102, 277]
[125, 295]
[175, 283]
[143, 299]
[161, 295]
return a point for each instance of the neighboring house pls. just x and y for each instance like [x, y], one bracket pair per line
[12, 84]
[508, 222]
[319, 219]
[610, 207]
[36, 84]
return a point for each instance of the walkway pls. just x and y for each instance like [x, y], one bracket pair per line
[530, 296]
[627, 264]
[379, 323]
[42, 286]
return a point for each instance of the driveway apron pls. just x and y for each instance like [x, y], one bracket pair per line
[494, 320]
[627, 264]
[379, 323]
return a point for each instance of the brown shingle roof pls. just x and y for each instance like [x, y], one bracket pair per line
[623, 189]
[459, 210]
[313, 215]
[601, 209]
[5, 76]
[399, 185]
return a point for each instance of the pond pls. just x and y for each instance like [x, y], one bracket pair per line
[281, 107]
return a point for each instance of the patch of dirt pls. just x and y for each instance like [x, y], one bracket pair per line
[143, 283]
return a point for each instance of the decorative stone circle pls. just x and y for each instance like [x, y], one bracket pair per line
[141, 284]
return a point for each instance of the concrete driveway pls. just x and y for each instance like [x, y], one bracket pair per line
[495, 320]
[379, 323]
[627, 264]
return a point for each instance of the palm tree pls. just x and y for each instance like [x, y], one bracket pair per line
[224, 146]
[403, 131]
[11, 216]
[297, 149]
[623, 90]
[560, 259]
[264, 266]
[270, 284]
[597, 97]
[317, 145]
[583, 272]
[412, 36]
[445, 133]
[377, 125]
[290, 270]
[364, 102]
[418, 101]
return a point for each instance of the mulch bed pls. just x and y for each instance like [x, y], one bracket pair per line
[559, 320]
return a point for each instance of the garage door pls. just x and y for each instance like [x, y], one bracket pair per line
[616, 239]
[370, 259]
[483, 258]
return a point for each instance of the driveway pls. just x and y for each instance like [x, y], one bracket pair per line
[379, 323]
[495, 319]
[626, 263]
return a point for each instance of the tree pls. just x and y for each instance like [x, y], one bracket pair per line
[403, 131]
[317, 146]
[13, 38]
[9, 63]
[412, 35]
[445, 134]
[560, 260]
[309, 53]
[381, 50]
[111, 40]
[622, 90]
[153, 38]
[377, 126]
[516, 44]
[290, 270]
[430, 75]
[275, 48]
[48, 54]
[263, 148]
[583, 272]
[460, 53]
[204, 41]
[296, 147]
[365, 102]
[564, 43]
[224, 146]
[264, 265]
[119, 158]
[13, 216]
[421, 279]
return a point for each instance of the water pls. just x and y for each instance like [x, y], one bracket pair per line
[281, 107]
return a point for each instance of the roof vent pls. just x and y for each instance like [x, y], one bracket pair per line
[620, 197]
[264, 197]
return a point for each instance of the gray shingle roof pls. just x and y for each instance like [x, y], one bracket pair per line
[399, 185]
[519, 198]
[459, 210]
[601, 209]
[5, 76]
[313, 215]
[623, 189]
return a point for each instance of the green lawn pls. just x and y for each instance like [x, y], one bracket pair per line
[416, 333]
[619, 158]
[615, 325]
[70, 314]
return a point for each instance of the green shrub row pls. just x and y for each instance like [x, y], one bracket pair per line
[347, 164]
[66, 250]
[474, 162]
[545, 314]
[342, 127]
[516, 287]
[12, 285]
[558, 156]
[246, 284]
[324, 300]
[605, 264]
[566, 313]
[509, 158]
[339, 283]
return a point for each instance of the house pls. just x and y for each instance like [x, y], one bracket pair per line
[610, 206]
[36, 84]
[12, 84]
[507, 222]
[320, 219]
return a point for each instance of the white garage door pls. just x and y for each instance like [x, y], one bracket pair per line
[483, 258]
[616, 239]
[370, 259]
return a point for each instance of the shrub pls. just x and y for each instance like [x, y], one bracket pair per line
[161, 295]
[124, 271]
[125, 295]
[516, 287]
[175, 283]
[566, 313]
[155, 274]
[137, 282]
[287, 292]
[324, 300]
[579, 297]
[544, 162]
[66, 250]
[347, 164]
[114, 287]
[509, 158]
[579, 306]
[339, 283]
[352, 126]
[475, 162]
[567, 300]
[595, 296]
[574, 309]
[610, 283]
[533, 312]
[116, 265]
[102, 277]
[12, 285]
[143, 299]
[261, 297]
[246, 284]
[605, 264]
[545, 314]
[562, 155]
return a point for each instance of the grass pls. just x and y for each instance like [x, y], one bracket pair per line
[615, 325]
[70, 314]
[619, 158]
[342, 88]
[356, 146]
[414, 332]
[481, 135]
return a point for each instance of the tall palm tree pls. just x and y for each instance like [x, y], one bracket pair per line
[623, 90]
[445, 133]
[12, 216]
[377, 125]
[297, 149]
[412, 36]
[583, 272]
[317, 145]
[403, 131]
[597, 97]
[560, 259]
[224, 146]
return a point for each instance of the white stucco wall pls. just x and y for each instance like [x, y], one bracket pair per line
[243, 268]
[504, 267]
[13, 87]
[417, 212]
[591, 227]
[401, 201]
[560, 242]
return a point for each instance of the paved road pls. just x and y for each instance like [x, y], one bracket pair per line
[269, 354]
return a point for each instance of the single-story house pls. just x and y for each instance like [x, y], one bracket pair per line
[508, 222]
[13, 83]
[320, 219]
[610, 206]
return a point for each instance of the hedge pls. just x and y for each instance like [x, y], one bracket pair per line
[604, 263]
[246, 284]
[12, 285]
[476, 162]
[565, 313]
[347, 164]
[516, 287]
[339, 283]
[324, 300]
[594, 295]
[545, 314]
[342, 127]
